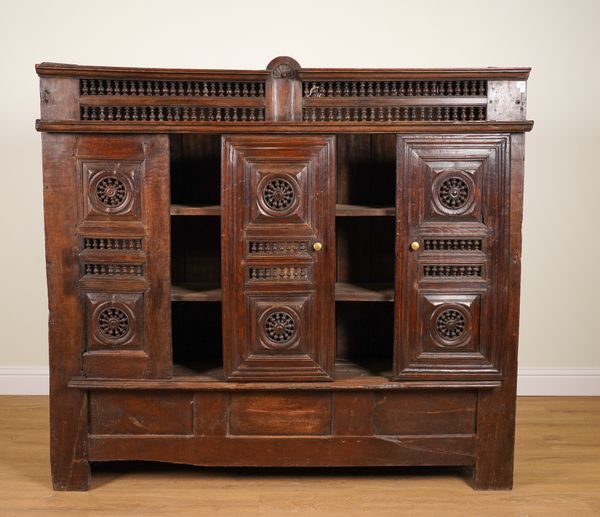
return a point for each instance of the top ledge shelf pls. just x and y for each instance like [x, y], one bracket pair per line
[333, 74]
[78, 126]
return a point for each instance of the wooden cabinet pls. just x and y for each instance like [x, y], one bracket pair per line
[289, 267]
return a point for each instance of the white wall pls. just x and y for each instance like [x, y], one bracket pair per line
[560, 40]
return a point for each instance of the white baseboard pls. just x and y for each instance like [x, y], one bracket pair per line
[559, 382]
[24, 381]
[532, 381]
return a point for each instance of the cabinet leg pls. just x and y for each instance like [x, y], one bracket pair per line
[496, 431]
[75, 476]
[68, 440]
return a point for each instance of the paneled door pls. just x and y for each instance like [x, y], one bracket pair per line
[278, 257]
[451, 256]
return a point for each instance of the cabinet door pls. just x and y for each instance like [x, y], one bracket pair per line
[278, 257]
[107, 237]
[451, 256]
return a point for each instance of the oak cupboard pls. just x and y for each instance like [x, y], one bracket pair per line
[285, 267]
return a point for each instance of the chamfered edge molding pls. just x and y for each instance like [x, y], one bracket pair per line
[531, 381]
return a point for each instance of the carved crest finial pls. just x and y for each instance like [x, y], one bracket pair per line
[283, 67]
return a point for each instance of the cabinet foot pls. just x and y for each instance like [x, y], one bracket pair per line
[74, 477]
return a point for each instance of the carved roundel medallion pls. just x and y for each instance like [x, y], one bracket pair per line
[111, 192]
[450, 325]
[278, 195]
[453, 193]
[280, 328]
[114, 323]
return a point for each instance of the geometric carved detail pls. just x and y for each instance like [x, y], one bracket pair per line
[92, 243]
[280, 327]
[278, 194]
[452, 270]
[451, 324]
[453, 193]
[113, 322]
[113, 269]
[278, 273]
[453, 244]
[277, 247]
[111, 188]
[111, 192]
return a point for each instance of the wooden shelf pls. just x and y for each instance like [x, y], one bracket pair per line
[196, 210]
[196, 293]
[364, 211]
[348, 376]
[347, 292]
[344, 292]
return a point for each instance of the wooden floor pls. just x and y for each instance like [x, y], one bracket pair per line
[557, 473]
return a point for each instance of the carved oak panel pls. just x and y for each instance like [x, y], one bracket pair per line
[123, 221]
[114, 321]
[111, 189]
[450, 255]
[278, 287]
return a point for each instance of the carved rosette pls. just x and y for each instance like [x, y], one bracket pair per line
[114, 323]
[111, 192]
[279, 328]
[278, 195]
[453, 193]
[450, 325]
[111, 188]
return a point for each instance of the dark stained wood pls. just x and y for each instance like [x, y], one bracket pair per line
[68, 408]
[273, 414]
[398, 101]
[70, 70]
[289, 451]
[364, 292]
[196, 210]
[352, 413]
[364, 211]
[150, 413]
[283, 90]
[191, 318]
[448, 289]
[211, 412]
[413, 414]
[496, 411]
[431, 127]
[196, 293]
[293, 294]
[140, 163]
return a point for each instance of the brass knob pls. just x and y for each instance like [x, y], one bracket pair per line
[414, 246]
[317, 246]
